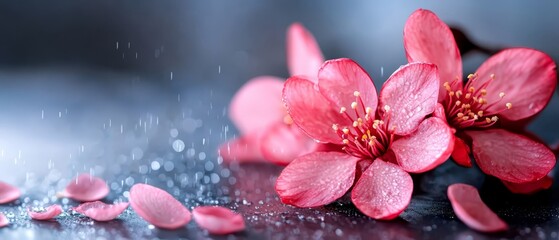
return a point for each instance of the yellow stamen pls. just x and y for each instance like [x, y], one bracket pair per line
[509, 105]
[356, 93]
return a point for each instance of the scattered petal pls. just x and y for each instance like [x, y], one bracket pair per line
[100, 211]
[411, 94]
[511, 157]
[49, 213]
[461, 153]
[303, 54]
[383, 191]
[529, 187]
[158, 207]
[3, 220]
[338, 80]
[428, 39]
[218, 220]
[316, 179]
[469, 207]
[426, 148]
[527, 77]
[86, 188]
[257, 104]
[8, 193]
[305, 103]
[282, 143]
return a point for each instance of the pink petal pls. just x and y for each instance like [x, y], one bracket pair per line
[316, 179]
[529, 187]
[411, 94]
[526, 76]
[158, 207]
[243, 149]
[338, 80]
[303, 54]
[3, 220]
[428, 39]
[511, 157]
[86, 188]
[257, 104]
[100, 211]
[218, 220]
[49, 213]
[283, 143]
[426, 148]
[311, 111]
[8, 193]
[440, 112]
[469, 207]
[383, 191]
[461, 153]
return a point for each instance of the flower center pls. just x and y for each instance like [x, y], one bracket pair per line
[366, 137]
[468, 107]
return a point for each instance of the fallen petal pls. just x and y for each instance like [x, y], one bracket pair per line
[3, 220]
[469, 208]
[8, 193]
[529, 187]
[100, 211]
[218, 220]
[86, 188]
[158, 207]
[49, 213]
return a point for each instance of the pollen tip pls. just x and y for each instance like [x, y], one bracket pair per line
[342, 110]
[386, 108]
[494, 118]
[470, 76]
[345, 141]
[368, 110]
[335, 127]
[356, 93]
[354, 105]
[501, 94]
[492, 76]
[509, 105]
[345, 131]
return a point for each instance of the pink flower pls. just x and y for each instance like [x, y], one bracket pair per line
[380, 146]
[506, 91]
[259, 114]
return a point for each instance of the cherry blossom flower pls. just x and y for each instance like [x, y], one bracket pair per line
[260, 116]
[100, 211]
[469, 207]
[47, 214]
[218, 220]
[488, 111]
[158, 207]
[8, 193]
[86, 188]
[380, 145]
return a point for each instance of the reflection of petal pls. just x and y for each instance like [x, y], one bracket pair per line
[86, 188]
[469, 207]
[529, 187]
[49, 213]
[383, 191]
[158, 207]
[100, 211]
[8, 193]
[218, 220]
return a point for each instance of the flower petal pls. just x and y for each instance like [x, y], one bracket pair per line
[383, 191]
[338, 79]
[311, 111]
[100, 211]
[426, 148]
[316, 179]
[86, 188]
[218, 220]
[257, 104]
[529, 187]
[527, 77]
[243, 149]
[49, 213]
[8, 193]
[428, 39]
[283, 143]
[411, 94]
[461, 153]
[439, 112]
[3, 220]
[158, 207]
[469, 207]
[511, 157]
[303, 54]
